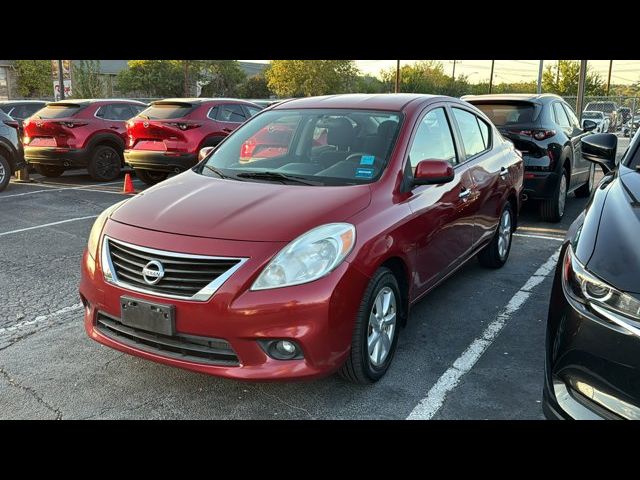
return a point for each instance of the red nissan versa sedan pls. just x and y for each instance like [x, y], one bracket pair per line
[79, 133]
[306, 262]
[167, 136]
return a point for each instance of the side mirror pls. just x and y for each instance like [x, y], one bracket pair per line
[601, 148]
[433, 172]
[589, 125]
[204, 152]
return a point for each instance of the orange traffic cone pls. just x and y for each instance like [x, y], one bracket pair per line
[128, 185]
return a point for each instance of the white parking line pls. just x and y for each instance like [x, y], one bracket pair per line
[2, 234]
[40, 319]
[543, 237]
[88, 188]
[436, 396]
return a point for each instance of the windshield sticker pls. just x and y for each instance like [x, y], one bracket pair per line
[367, 160]
[364, 173]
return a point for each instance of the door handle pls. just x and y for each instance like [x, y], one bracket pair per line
[464, 193]
[503, 172]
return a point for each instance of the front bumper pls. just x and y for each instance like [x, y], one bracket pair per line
[160, 161]
[319, 316]
[58, 156]
[592, 368]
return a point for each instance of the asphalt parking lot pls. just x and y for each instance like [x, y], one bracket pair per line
[473, 349]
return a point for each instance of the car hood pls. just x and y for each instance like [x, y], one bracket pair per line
[616, 253]
[197, 205]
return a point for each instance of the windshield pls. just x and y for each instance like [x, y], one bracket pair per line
[601, 107]
[321, 147]
[593, 115]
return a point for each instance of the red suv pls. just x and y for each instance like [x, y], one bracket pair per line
[168, 135]
[79, 133]
[308, 261]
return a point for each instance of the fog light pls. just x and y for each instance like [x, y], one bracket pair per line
[281, 349]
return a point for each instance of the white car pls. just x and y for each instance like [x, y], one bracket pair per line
[599, 117]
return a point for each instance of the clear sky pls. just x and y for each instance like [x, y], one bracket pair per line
[624, 71]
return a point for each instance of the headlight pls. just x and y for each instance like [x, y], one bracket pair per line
[96, 230]
[309, 257]
[590, 290]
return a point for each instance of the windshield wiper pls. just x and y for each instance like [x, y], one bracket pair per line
[278, 176]
[219, 172]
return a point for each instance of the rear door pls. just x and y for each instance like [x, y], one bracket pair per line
[578, 171]
[229, 116]
[115, 116]
[581, 165]
[443, 213]
[486, 168]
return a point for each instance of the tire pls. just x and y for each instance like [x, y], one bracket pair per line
[51, 171]
[359, 367]
[5, 172]
[552, 209]
[496, 253]
[105, 164]
[151, 177]
[585, 190]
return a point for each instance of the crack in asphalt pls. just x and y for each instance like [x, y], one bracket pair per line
[278, 399]
[31, 392]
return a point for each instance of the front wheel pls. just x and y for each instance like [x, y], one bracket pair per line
[5, 172]
[105, 164]
[151, 177]
[50, 171]
[375, 334]
[496, 253]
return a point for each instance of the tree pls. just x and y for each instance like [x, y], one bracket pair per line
[426, 77]
[298, 78]
[255, 87]
[34, 78]
[369, 84]
[86, 79]
[223, 78]
[152, 78]
[562, 79]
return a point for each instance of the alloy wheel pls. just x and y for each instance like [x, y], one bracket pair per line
[382, 326]
[562, 194]
[504, 234]
[3, 173]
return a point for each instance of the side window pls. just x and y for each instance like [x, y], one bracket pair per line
[561, 115]
[572, 116]
[485, 131]
[253, 111]
[433, 140]
[104, 112]
[213, 113]
[472, 138]
[137, 109]
[230, 112]
[121, 111]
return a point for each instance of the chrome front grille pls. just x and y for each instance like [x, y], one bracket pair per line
[188, 277]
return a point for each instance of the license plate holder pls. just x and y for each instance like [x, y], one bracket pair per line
[149, 316]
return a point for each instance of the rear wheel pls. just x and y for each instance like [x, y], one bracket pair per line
[5, 172]
[496, 253]
[51, 171]
[585, 190]
[375, 334]
[151, 177]
[105, 164]
[552, 209]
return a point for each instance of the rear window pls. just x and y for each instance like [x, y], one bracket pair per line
[602, 107]
[508, 113]
[59, 110]
[161, 111]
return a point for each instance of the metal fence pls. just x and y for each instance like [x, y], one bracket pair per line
[619, 110]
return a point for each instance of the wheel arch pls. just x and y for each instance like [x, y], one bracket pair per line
[400, 270]
[108, 139]
[9, 151]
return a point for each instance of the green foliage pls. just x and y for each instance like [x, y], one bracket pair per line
[562, 79]
[426, 77]
[34, 78]
[369, 84]
[224, 78]
[303, 78]
[86, 79]
[152, 78]
[255, 87]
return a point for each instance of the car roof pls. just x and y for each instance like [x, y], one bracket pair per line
[21, 102]
[198, 100]
[512, 96]
[89, 101]
[376, 101]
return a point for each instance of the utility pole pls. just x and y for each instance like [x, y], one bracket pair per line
[558, 73]
[453, 75]
[186, 78]
[609, 77]
[397, 76]
[61, 79]
[581, 81]
[491, 76]
[540, 77]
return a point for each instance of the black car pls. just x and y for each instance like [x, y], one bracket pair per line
[592, 361]
[11, 158]
[547, 132]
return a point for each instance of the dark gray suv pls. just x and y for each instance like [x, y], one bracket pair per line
[11, 158]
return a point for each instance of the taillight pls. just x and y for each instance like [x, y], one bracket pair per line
[184, 125]
[526, 133]
[542, 134]
[12, 123]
